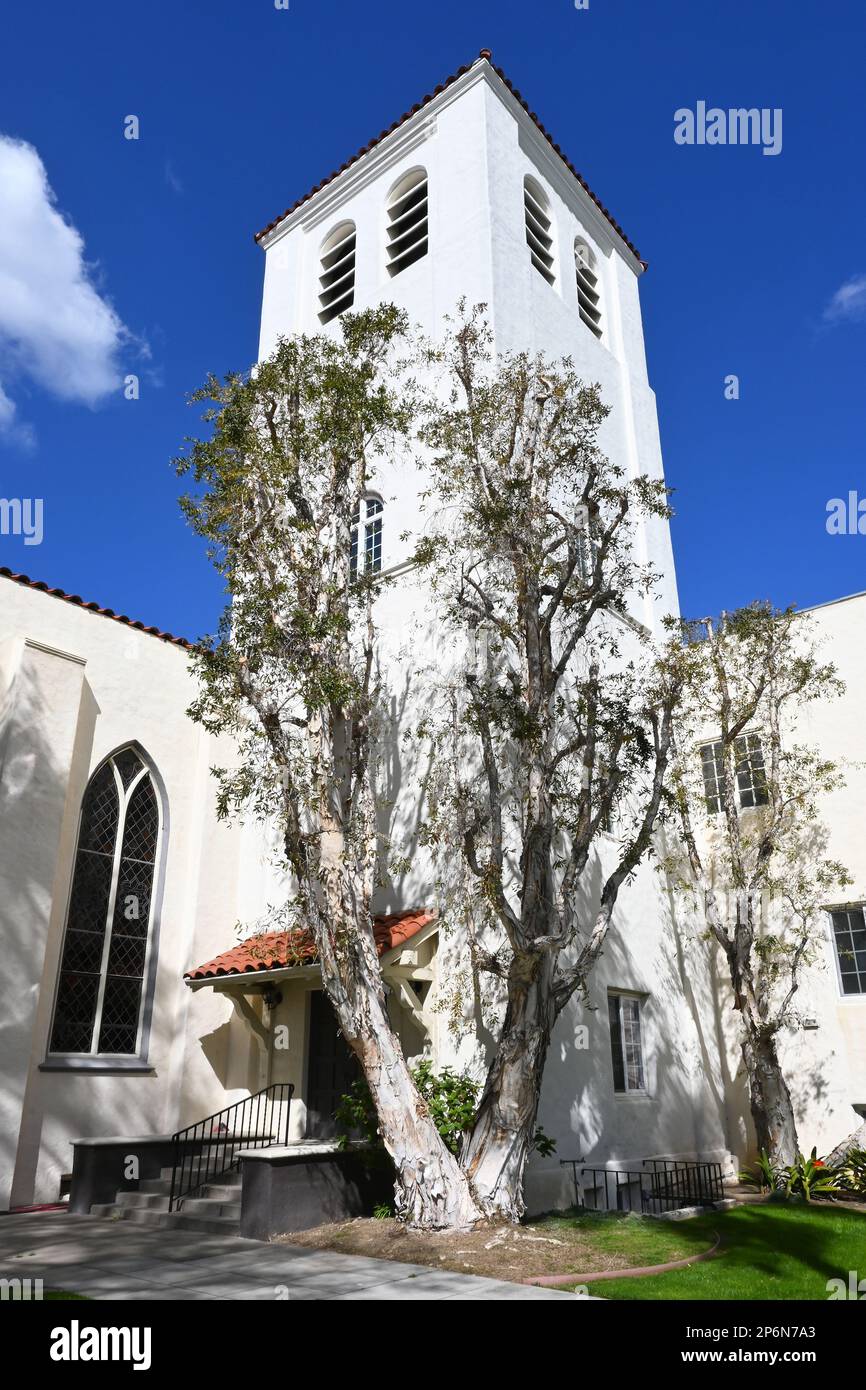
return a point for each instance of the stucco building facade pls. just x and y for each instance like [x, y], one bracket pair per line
[466, 197]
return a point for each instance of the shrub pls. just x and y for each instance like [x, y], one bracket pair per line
[765, 1176]
[852, 1172]
[451, 1099]
[810, 1177]
[807, 1177]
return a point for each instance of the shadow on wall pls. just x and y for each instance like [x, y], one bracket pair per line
[719, 1030]
[647, 952]
[679, 1111]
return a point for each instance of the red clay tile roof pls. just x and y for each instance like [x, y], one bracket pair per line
[279, 949]
[484, 56]
[94, 608]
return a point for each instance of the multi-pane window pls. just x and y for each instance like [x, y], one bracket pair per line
[539, 234]
[98, 1009]
[849, 933]
[337, 272]
[366, 540]
[588, 289]
[407, 222]
[750, 776]
[626, 1043]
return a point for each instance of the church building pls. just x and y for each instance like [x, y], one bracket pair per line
[132, 1005]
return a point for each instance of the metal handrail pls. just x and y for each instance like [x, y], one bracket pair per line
[208, 1149]
[664, 1184]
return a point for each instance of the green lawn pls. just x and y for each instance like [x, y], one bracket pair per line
[769, 1251]
[637, 1240]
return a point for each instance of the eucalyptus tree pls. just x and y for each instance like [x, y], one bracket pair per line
[753, 850]
[559, 721]
[292, 675]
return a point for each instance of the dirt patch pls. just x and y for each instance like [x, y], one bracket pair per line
[502, 1252]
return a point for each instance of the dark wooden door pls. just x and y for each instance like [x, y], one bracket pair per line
[332, 1068]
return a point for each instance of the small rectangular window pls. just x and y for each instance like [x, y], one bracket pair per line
[750, 776]
[750, 771]
[849, 938]
[712, 762]
[626, 1043]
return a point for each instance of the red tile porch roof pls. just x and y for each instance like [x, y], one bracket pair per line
[484, 56]
[280, 949]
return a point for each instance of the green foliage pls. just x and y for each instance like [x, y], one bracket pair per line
[287, 452]
[356, 1115]
[451, 1099]
[765, 1176]
[542, 1143]
[810, 1177]
[806, 1178]
[383, 1211]
[852, 1172]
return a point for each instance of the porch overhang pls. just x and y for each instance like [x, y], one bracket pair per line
[262, 962]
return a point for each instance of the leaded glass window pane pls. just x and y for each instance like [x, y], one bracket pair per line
[104, 957]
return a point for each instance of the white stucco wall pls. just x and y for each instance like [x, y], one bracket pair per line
[77, 687]
[477, 145]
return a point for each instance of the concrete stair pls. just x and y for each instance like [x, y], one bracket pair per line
[215, 1210]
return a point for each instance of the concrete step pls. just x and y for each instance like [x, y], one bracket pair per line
[160, 1185]
[210, 1206]
[223, 1191]
[231, 1179]
[168, 1221]
[153, 1201]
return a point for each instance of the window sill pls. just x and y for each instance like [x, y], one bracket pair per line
[632, 1095]
[136, 1066]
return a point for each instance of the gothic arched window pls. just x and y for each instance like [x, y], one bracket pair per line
[98, 1010]
[366, 543]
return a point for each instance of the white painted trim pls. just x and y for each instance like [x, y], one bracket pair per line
[54, 651]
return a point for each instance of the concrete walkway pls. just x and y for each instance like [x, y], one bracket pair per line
[118, 1260]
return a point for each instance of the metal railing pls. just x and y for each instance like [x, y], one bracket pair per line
[208, 1149]
[659, 1185]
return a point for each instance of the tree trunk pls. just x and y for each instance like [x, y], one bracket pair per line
[770, 1100]
[855, 1140]
[431, 1190]
[496, 1152]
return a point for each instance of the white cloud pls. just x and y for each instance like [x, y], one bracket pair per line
[849, 301]
[55, 327]
[10, 427]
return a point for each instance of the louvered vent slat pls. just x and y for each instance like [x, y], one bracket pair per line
[408, 233]
[337, 277]
[539, 238]
[588, 291]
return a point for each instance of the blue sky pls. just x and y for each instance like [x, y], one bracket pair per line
[244, 107]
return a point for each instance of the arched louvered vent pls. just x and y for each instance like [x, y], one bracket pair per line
[407, 221]
[538, 233]
[588, 294]
[337, 279]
